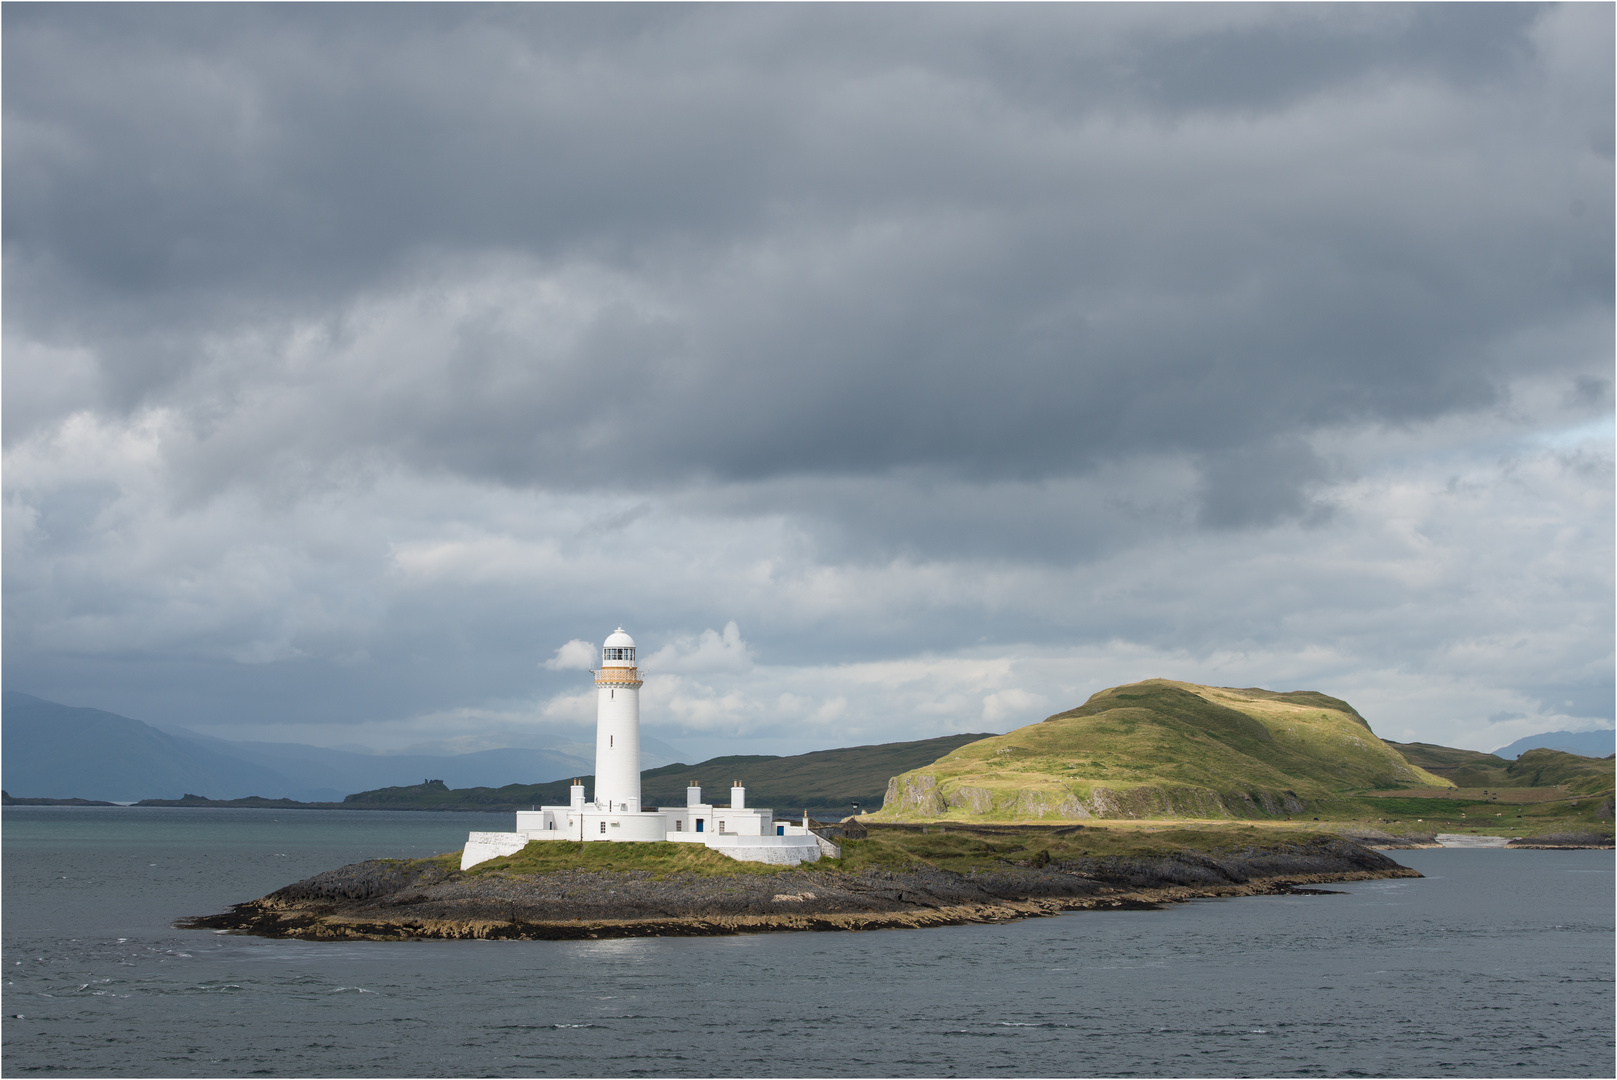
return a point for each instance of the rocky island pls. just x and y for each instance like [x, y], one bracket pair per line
[1150, 793]
[891, 877]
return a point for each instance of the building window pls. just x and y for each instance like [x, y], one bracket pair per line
[603, 826]
[679, 826]
[721, 826]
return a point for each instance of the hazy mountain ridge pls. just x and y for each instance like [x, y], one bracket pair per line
[1595, 744]
[63, 751]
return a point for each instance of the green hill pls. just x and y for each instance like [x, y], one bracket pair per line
[1534, 768]
[1162, 749]
[826, 783]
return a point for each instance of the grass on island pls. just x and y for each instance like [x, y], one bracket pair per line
[659, 859]
[947, 847]
[965, 849]
[984, 847]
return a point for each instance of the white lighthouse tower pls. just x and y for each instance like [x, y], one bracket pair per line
[750, 834]
[617, 726]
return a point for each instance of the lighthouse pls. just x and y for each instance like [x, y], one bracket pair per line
[617, 726]
[749, 834]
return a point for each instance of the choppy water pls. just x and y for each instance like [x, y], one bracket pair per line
[1498, 963]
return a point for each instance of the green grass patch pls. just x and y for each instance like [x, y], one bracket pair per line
[961, 849]
[1392, 806]
[660, 860]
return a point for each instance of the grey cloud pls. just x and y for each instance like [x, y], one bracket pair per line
[1261, 485]
[874, 329]
[844, 259]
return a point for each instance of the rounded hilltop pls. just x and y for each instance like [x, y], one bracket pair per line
[1162, 748]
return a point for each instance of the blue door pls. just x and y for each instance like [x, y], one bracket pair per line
[780, 830]
[699, 825]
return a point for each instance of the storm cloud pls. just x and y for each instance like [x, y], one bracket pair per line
[360, 358]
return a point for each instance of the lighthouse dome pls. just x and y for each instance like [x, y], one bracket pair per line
[618, 651]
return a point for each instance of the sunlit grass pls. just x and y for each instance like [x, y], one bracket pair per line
[659, 859]
[1161, 749]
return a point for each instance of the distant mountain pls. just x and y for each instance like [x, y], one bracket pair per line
[335, 773]
[1595, 744]
[59, 751]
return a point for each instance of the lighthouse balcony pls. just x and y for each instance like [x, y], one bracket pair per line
[618, 676]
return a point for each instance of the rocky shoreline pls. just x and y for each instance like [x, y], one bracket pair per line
[384, 900]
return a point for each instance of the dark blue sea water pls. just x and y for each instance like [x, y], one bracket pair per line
[1498, 963]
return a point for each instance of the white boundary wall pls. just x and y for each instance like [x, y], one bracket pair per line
[794, 844]
[778, 850]
[483, 846]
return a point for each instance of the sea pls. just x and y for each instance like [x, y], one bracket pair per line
[1496, 963]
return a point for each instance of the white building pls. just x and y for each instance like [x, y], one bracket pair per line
[751, 835]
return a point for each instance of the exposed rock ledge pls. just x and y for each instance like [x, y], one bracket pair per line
[1564, 841]
[389, 901]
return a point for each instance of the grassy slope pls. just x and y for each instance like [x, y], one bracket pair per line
[1578, 775]
[1539, 792]
[1162, 749]
[825, 782]
[1464, 768]
[1535, 768]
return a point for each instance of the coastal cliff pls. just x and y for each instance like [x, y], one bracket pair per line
[429, 898]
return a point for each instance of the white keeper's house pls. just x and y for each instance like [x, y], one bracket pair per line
[615, 813]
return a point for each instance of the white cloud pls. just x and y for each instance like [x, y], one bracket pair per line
[709, 651]
[576, 655]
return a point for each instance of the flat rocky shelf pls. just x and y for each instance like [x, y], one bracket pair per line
[387, 900]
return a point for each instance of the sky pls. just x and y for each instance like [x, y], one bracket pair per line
[886, 371]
